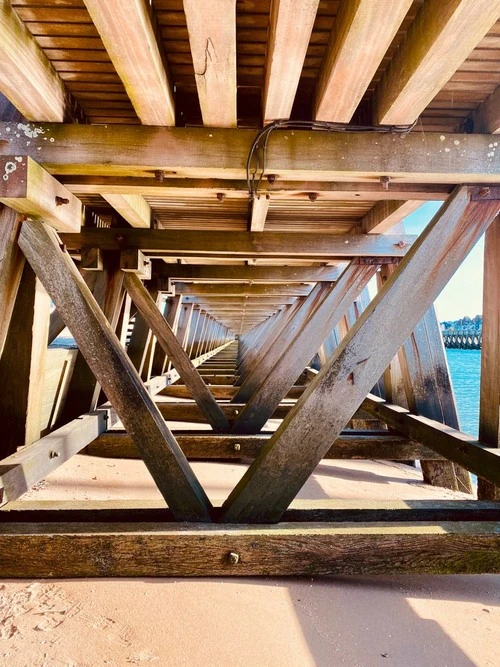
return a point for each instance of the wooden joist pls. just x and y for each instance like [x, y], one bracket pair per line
[385, 215]
[290, 29]
[130, 41]
[11, 267]
[243, 273]
[124, 150]
[486, 118]
[362, 33]
[242, 245]
[29, 189]
[27, 78]
[168, 341]
[233, 290]
[137, 549]
[114, 372]
[440, 38]
[260, 207]
[212, 37]
[133, 208]
[332, 397]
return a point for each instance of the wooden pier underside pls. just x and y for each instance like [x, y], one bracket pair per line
[205, 217]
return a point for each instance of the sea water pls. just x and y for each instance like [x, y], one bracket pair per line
[465, 371]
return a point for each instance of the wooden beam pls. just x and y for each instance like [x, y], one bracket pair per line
[123, 150]
[385, 215]
[212, 37]
[260, 207]
[28, 188]
[135, 261]
[11, 267]
[139, 550]
[133, 208]
[489, 403]
[486, 118]
[130, 41]
[438, 41]
[243, 274]
[22, 469]
[265, 491]
[114, 372]
[244, 245]
[361, 35]
[290, 28]
[180, 360]
[27, 78]
[306, 342]
[248, 289]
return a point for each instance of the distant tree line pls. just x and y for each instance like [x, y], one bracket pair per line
[464, 325]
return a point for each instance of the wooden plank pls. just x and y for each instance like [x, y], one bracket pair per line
[27, 77]
[243, 290]
[22, 365]
[133, 208]
[244, 245]
[140, 338]
[168, 341]
[172, 312]
[438, 41]
[418, 157]
[348, 67]
[128, 550]
[290, 23]
[130, 41]
[136, 262]
[22, 469]
[489, 403]
[486, 117]
[11, 267]
[260, 207]
[191, 412]
[212, 37]
[114, 372]
[239, 274]
[28, 188]
[385, 214]
[265, 491]
[306, 342]
[377, 445]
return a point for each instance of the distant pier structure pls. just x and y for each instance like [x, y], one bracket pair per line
[465, 338]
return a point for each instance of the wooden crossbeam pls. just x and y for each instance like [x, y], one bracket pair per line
[306, 342]
[114, 372]
[29, 189]
[378, 445]
[167, 243]
[438, 41]
[24, 468]
[486, 117]
[27, 78]
[11, 267]
[197, 152]
[332, 397]
[133, 208]
[212, 37]
[139, 549]
[260, 207]
[168, 341]
[290, 28]
[361, 35]
[130, 41]
[385, 215]
[261, 275]
[249, 289]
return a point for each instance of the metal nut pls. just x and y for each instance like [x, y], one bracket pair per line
[234, 558]
[237, 447]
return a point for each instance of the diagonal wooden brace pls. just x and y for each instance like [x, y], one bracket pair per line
[115, 373]
[286, 462]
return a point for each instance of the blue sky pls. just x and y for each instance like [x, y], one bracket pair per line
[464, 293]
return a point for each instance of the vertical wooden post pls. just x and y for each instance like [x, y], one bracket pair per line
[11, 267]
[489, 406]
[22, 365]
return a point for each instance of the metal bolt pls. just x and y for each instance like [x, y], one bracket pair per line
[313, 196]
[484, 192]
[221, 196]
[385, 180]
[234, 558]
[401, 244]
[271, 178]
[237, 447]
[61, 200]
[119, 238]
[53, 455]
[160, 176]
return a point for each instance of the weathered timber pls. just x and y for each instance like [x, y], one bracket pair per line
[30, 189]
[308, 338]
[264, 491]
[57, 325]
[133, 208]
[486, 117]
[172, 313]
[260, 207]
[222, 153]
[140, 338]
[128, 550]
[361, 35]
[378, 445]
[489, 402]
[129, 38]
[197, 243]
[22, 469]
[114, 372]
[385, 214]
[248, 289]
[212, 37]
[168, 341]
[11, 267]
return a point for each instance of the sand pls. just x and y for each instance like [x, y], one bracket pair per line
[410, 620]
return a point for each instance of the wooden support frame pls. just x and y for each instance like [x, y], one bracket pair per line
[133, 208]
[114, 372]
[11, 267]
[264, 492]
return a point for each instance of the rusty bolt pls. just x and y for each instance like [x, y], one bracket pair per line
[61, 200]
[234, 558]
[271, 178]
[385, 180]
[221, 196]
[313, 196]
[53, 455]
[401, 244]
[484, 192]
[237, 447]
[119, 238]
[160, 176]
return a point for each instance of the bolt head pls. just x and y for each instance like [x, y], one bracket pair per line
[233, 558]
